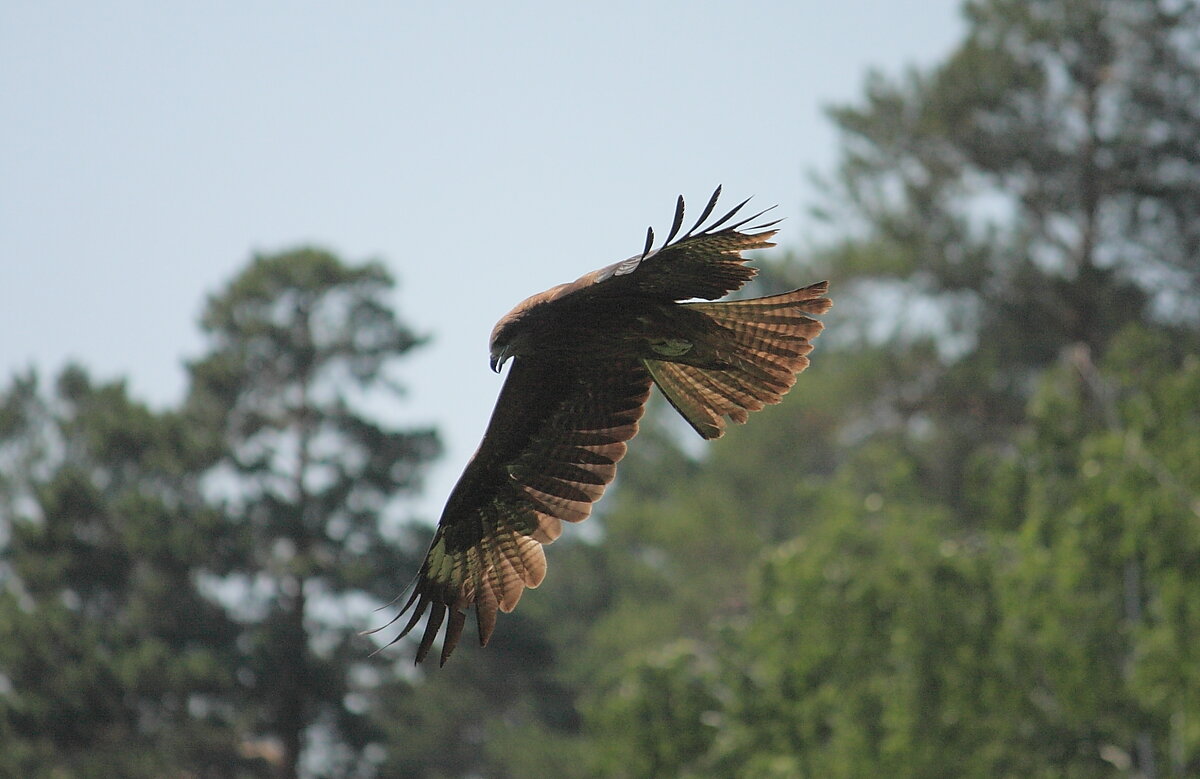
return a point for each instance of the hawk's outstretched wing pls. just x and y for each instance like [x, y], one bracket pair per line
[551, 447]
[704, 262]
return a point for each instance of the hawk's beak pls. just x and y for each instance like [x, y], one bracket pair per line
[499, 359]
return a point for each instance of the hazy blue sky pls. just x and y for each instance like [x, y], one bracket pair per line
[483, 151]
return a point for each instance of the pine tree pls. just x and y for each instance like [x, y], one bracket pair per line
[1030, 194]
[300, 345]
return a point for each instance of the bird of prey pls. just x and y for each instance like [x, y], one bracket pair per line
[584, 356]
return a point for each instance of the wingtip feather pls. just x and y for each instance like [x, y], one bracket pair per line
[437, 614]
[729, 215]
[708, 209]
[454, 631]
[485, 620]
[677, 222]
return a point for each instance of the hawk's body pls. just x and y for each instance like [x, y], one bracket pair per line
[584, 357]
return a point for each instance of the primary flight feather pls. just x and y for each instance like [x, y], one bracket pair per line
[584, 357]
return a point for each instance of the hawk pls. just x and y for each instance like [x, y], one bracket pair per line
[584, 356]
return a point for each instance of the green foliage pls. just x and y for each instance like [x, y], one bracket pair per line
[1102, 584]
[660, 713]
[864, 650]
[114, 661]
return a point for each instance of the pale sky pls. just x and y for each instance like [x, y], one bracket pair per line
[482, 151]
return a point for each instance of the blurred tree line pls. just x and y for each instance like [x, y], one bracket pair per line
[968, 544]
[183, 590]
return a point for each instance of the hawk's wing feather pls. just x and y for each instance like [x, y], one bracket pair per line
[765, 343]
[552, 446]
[705, 262]
[677, 222]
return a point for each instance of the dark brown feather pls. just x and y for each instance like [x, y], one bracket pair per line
[708, 209]
[677, 222]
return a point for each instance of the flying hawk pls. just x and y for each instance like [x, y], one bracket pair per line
[584, 356]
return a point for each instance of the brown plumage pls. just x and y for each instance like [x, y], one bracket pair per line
[584, 357]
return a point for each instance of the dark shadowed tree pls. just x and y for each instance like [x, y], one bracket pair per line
[300, 345]
[114, 660]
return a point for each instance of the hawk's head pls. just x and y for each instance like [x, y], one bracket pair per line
[517, 330]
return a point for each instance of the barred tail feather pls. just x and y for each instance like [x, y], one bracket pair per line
[764, 343]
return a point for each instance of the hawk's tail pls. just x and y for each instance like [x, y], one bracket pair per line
[764, 344]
